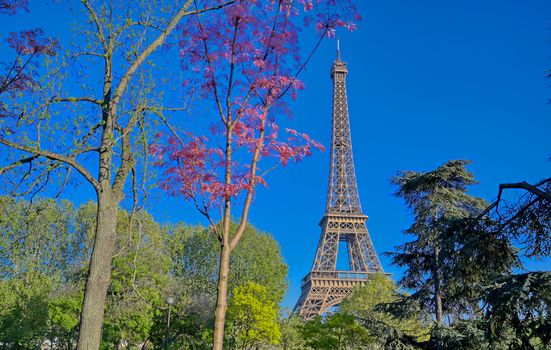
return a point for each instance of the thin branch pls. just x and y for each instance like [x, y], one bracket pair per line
[25, 175]
[55, 156]
[518, 213]
[145, 148]
[169, 126]
[232, 68]
[250, 191]
[8, 81]
[18, 163]
[78, 99]
[86, 137]
[85, 150]
[301, 68]
[5, 84]
[38, 179]
[252, 85]
[125, 79]
[526, 186]
[96, 20]
[211, 68]
[65, 181]
[78, 54]
[270, 169]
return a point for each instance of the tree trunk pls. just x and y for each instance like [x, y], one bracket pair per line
[437, 287]
[222, 297]
[437, 294]
[99, 274]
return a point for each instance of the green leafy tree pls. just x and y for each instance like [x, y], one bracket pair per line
[291, 336]
[44, 252]
[43, 236]
[367, 303]
[513, 307]
[63, 314]
[338, 331]
[252, 317]
[464, 257]
[194, 254]
[140, 280]
[24, 310]
[41, 250]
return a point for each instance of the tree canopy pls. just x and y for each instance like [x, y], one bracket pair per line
[44, 257]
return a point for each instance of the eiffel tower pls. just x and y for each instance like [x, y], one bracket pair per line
[343, 221]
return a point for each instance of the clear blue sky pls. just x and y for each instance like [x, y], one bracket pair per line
[428, 81]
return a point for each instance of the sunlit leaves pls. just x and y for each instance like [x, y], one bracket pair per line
[252, 317]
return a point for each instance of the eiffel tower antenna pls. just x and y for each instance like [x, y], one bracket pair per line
[325, 286]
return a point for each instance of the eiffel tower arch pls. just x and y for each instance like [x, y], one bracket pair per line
[325, 286]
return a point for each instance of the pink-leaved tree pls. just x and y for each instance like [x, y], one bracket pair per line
[244, 63]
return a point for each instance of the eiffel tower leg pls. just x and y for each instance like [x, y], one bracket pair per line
[356, 258]
[372, 260]
[328, 248]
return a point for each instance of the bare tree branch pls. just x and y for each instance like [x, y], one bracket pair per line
[18, 163]
[78, 99]
[526, 186]
[520, 185]
[55, 156]
[123, 84]
[97, 22]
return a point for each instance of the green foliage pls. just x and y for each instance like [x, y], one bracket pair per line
[467, 335]
[43, 236]
[41, 249]
[520, 304]
[194, 252]
[367, 303]
[258, 259]
[252, 317]
[339, 331]
[465, 256]
[291, 332]
[64, 315]
[24, 309]
[438, 199]
[528, 221]
[44, 251]
[140, 280]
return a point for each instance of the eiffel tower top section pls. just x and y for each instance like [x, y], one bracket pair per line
[342, 194]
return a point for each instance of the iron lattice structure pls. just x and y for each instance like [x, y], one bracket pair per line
[343, 221]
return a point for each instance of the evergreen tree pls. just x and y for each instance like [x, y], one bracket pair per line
[437, 198]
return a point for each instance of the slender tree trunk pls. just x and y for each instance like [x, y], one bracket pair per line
[437, 288]
[100, 270]
[437, 293]
[222, 296]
